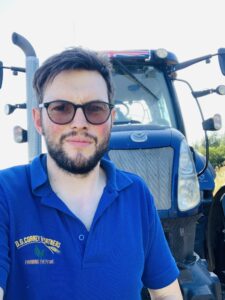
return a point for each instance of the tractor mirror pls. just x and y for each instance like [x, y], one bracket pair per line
[213, 124]
[221, 57]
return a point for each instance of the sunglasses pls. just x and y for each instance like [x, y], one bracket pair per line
[62, 112]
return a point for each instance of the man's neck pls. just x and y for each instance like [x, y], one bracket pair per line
[80, 193]
[77, 184]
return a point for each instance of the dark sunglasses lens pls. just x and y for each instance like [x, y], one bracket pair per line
[61, 112]
[97, 112]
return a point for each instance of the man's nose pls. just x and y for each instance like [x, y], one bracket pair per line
[79, 119]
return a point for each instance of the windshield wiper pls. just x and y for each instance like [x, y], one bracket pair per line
[131, 75]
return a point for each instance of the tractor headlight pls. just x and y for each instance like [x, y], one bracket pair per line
[188, 186]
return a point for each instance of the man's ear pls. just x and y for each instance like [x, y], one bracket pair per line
[36, 113]
[113, 115]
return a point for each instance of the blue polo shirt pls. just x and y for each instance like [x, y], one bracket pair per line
[47, 253]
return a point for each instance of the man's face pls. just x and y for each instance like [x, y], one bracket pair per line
[78, 146]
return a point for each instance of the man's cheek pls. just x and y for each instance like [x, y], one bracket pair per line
[105, 128]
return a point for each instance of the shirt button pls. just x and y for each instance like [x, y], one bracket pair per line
[81, 237]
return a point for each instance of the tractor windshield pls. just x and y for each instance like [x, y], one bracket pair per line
[141, 96]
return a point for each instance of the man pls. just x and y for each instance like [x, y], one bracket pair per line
[72, 226]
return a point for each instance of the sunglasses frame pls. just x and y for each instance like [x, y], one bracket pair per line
[75, 107]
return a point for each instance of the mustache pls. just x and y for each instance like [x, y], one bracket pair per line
[73, 133]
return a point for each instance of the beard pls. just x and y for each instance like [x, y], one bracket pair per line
[80, 164]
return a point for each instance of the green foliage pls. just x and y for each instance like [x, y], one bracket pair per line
[217, 155]
[216, 149]
[220, 179]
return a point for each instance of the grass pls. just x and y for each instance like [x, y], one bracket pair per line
[220, 178]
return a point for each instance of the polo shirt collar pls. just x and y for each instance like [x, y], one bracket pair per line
[116, 181]
[38, 173]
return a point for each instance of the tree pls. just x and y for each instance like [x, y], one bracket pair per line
[216, 149]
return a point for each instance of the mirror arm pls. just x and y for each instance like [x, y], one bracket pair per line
[185, 64]
[205, 132]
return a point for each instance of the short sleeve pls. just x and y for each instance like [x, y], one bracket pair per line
[160, 267]
[4, 241]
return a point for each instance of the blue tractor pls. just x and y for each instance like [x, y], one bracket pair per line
[148, 138]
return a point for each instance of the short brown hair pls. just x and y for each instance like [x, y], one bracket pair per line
[72, 59]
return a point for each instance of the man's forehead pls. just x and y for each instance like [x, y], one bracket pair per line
[80, 83]
[76, 76]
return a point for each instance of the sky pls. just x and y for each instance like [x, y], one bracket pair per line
[188, 28]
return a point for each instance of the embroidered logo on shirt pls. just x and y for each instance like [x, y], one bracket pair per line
[51, 246]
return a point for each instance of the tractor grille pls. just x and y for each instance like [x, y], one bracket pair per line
[153, 165]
